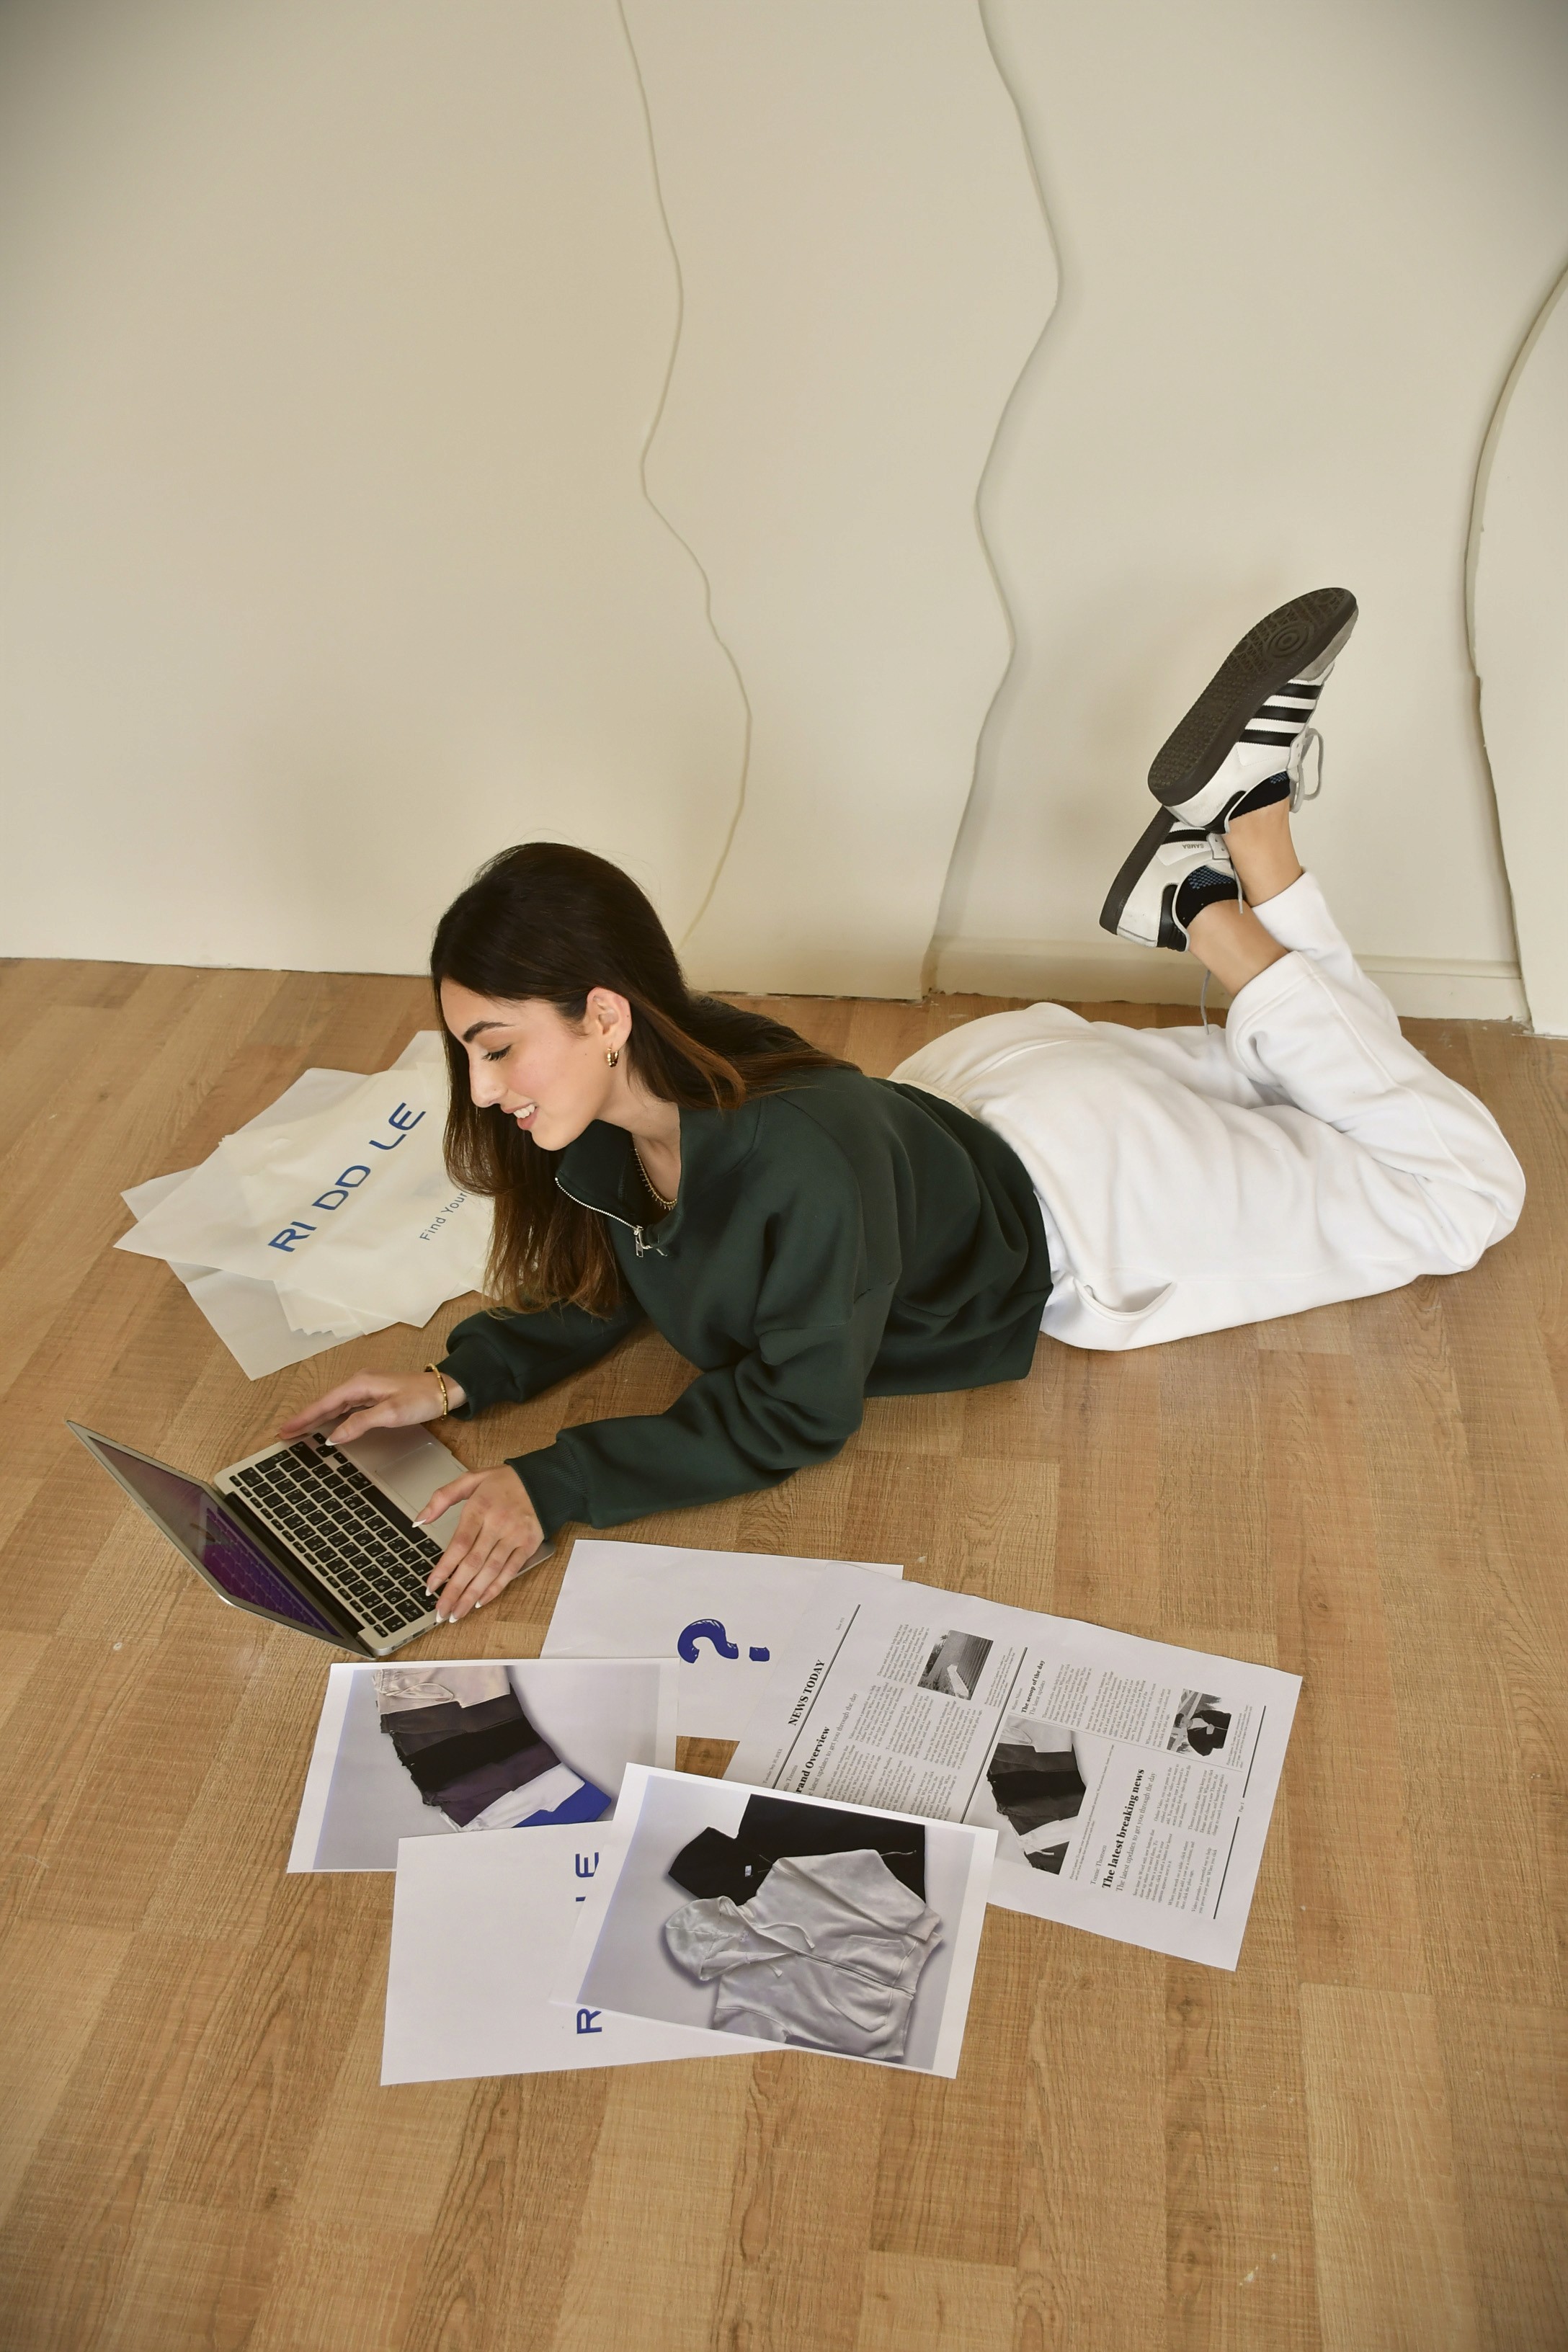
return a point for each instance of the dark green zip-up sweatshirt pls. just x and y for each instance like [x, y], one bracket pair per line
[844, 1238]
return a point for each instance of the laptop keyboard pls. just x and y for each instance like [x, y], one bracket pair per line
[351, 1536]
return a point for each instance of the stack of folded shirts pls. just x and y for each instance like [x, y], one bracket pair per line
[1031, 1786]
[461, 1734]
[771, 1827]
[1035, 1785]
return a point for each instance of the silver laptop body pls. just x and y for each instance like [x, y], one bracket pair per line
[310, 1534]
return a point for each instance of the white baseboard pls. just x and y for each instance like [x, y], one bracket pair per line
[1107, 970]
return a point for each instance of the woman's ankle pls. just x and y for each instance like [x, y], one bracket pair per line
[1233, 943]
[1263, 854]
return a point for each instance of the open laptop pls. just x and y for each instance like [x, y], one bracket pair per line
[310, 1534]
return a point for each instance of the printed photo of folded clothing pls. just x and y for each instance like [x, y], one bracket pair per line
[1034, 1776]
[828, 1952]
[771, 1827]
[461, 1734]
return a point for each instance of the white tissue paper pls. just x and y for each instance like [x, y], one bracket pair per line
[329, 1216]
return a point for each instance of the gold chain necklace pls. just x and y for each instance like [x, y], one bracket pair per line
[666, 1205]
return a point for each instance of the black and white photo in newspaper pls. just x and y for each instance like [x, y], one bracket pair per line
[1130, 1782]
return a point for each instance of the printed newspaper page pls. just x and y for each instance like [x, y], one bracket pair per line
[1129, 1783]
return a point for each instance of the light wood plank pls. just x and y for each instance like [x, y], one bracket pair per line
[918, 2306]
[921, 2209]
[339, 2287]
[1109, 1441]
[212, 1884]
[1239, 2189]
[655, 2235]
[1321, 1331]
[88, 2213]
[800, 2206]
[383, 2158]
[106, 1820]
[1506, 2076]
[503, 2248]
[1214, 1528]
[1359, 1916]
[1092, 2140]
[58, 1980]
[19, 1654]
[1454, 1665]
[1393, 2266]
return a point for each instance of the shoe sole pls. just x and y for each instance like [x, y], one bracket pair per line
[1283, 643]
[1161, 824]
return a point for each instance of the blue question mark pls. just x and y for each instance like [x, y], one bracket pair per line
[710, 1629]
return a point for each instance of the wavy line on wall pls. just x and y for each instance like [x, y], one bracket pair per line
[679, 538]
[1490, 440]
[1003, 414]
[1498, 702]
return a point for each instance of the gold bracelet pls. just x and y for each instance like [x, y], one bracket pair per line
[446, 1408]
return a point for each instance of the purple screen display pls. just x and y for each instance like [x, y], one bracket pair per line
[234, 1562]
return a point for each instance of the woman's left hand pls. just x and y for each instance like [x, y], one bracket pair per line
[497, 1536]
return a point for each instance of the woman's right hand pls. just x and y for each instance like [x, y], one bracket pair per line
[375, 1400]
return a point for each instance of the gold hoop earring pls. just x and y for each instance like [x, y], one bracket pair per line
[613, 1056]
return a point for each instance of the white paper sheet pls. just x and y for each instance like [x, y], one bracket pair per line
[723, 1615]
[313, 1091]
[248, 1316]
[901, 1698]
[352, 1203]
[264, 1324]
[480, 1927]
[358, 1802]
[618, 1963]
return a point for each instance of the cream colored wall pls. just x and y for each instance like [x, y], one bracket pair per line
[1298, 256]
[337, 331]
[338, 335]
[1519, 571]
[866, 269]
[342, 330]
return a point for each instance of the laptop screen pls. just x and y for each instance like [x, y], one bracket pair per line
[235, 1563]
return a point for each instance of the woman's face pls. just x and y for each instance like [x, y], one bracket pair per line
[548, 1074]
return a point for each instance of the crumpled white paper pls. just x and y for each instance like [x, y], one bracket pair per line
[329, 1216]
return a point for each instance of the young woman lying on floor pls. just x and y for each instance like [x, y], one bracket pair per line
[808, 1237]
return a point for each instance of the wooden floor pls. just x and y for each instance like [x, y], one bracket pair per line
[1355, 2142]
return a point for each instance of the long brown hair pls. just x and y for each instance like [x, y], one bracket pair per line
[549, 921]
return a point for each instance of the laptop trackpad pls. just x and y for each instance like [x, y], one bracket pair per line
[409, 1465]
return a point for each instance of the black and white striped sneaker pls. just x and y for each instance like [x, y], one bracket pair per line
[1254, 719]
[1174, 872]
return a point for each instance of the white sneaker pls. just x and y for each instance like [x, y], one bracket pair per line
[1174, 873]
[1254, 719]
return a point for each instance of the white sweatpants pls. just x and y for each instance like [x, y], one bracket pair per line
[1189, 1181]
